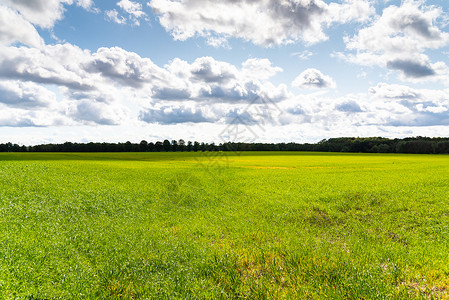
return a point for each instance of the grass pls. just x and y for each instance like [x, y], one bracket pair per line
[213, 225]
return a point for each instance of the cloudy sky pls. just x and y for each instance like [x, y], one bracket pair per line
[228, 70]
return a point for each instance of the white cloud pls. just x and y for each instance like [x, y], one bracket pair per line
[14, 28]
[44, 13]
[313, 78]
[54, 64]
[86, 4]
[95, 88]
[207, 69]
[304, 55]
[393, 91]
[258, 112]
[13, 117]
[176, 114]
[272, 22]
[400, 105]
[104, 94]
[255, 68]
[112, 86]
[88, 98]
[408, 29]
[218, 42]
[207, 79]
[399, 39]
[126, 68]
[25, 94]
[385, 109]
[92, 112]
[131, 8]
[350, 106]
[112, 15]
[27, 104]
[400, 93]
[349, 10]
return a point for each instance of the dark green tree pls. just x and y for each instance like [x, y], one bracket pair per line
[143, 146]
[174, 145]
[167, 146]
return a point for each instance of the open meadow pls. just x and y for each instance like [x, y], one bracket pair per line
[217, 225]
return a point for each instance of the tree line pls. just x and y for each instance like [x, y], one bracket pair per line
[416, 145]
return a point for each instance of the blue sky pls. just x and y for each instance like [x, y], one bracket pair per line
[215, 71]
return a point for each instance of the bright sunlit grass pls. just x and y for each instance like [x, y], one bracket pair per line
[208, 225]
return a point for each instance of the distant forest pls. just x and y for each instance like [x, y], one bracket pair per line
[418, 145]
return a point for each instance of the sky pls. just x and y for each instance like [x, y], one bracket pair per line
[219, 71]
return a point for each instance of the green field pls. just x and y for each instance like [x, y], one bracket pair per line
[205, 225]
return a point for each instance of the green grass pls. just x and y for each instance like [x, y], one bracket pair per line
[210, 225]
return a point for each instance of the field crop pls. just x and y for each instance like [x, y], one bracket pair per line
[214, 225]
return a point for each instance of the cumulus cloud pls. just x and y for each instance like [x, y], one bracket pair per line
[231, 93]
[409, 28]
[176, 114]
[171, 93]
[105, 94]
[44, 13]
[389, 107]
[405, 94]
[22, 118]
[255, 68]
[272, 22]
[348, 106]
[28, 104]
[14, 28]
[112, 15]
[425, 118]
[393, 91]
[258, 113]
[239, 116]
[88, 97]
[18, 17]
[82, 71]
[349, 10]
[217, 42]
[132, 9]
[207, 79]
[92, 112]
[209, 70]
[313, 78]
[399, 39]
[411, 68]
[127, 68]
[414, 107]
[86, 4]
[25, 94]
[58, 64]
[94, 87]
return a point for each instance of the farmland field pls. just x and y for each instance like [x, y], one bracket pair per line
[214, 225]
